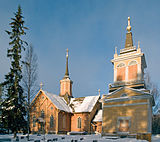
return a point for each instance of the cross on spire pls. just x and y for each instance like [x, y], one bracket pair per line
[138, 44]
[99, 92]
[116, 50]
[41, 85]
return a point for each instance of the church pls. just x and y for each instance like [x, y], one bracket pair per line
[126, 109]
[64, 113]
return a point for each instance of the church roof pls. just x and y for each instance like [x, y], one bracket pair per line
[83, 104]
[58, 101]
[98, 116]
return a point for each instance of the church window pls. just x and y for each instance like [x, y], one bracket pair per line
[34, 108]
[79, 122]
[120, 65]
[64, 121]
[132, 70]
[51, 108]
[132, 63]
[124, 124]
[42, 97]
[34, 121]
[42, 113]
[121, 72]
[51, 121]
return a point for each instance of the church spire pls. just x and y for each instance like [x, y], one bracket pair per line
[66, 83]
[67, 71]
[129, 41]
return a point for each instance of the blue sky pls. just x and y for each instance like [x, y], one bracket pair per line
[90, 29]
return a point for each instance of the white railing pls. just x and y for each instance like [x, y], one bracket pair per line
[127, 49]
[120, 83]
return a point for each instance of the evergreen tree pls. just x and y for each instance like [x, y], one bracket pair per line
[14, 111]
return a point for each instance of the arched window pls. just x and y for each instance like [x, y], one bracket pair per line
[132, 63]
[42, 113]
[51, 121]
[79, 122]
[121, 72]
[120, 65]
[34, 121]
[132, 70]
[34, 109]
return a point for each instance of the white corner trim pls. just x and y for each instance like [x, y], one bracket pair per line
[149, 117]
[126, 74]
[115, 74]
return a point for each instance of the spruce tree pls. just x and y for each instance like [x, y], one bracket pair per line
[14, 111]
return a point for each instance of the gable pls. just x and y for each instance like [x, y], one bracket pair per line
[57, 101]
[125, 92]
[39, 98]
[41, 102]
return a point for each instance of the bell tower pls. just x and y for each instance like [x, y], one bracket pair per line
[66, 83]
[129, 65]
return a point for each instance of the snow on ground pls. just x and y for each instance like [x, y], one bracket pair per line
[72, 138]
[156, 138]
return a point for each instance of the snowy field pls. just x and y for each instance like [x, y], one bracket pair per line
[72, 138]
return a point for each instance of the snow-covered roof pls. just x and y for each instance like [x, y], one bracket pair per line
[84, 104]
[58, 101]
[98, 116]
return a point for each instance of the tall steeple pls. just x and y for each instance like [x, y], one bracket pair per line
[129, 65]
[66, 83]
[67, 71]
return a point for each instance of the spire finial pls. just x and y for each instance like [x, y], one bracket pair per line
[129, 40]
[67, 53]
[115, 49]
[67, 72]
[41, 85]
[99, 92]
[129, 25]
[138, 44]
